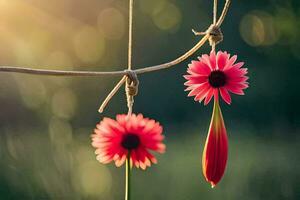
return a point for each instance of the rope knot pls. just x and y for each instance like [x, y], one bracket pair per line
[132, 83]
[215, 34]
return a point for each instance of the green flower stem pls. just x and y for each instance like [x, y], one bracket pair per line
[128, 178]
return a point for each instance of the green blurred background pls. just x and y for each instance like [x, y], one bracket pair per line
[46, 122]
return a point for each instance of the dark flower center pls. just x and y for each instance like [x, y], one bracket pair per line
[217, 79]
[130, 141]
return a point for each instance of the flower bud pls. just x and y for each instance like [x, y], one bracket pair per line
[215, 152]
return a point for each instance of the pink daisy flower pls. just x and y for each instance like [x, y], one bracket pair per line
[114, 139]
[214, 73]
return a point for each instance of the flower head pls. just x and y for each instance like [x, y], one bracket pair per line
[214, 73]
[215, 152]
[114, 139]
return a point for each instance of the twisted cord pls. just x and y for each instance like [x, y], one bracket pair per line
[133, 83]
[131, 89]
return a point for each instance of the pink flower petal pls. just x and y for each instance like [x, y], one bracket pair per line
[222, 59]
[225, 95]
[199, 89]
[234, 72]
[206, 60]
[201, 93]
[238, 65]
[212, 59]
[199, 68]
[230, 62]
[195, 79]
[235, 90]
[201, 96]
[240, 79]
[209, 96]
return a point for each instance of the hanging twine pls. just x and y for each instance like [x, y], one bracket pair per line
[131, 77]
[131, 88]
[215, 35]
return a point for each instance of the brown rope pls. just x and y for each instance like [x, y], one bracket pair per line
[132, 83]
[131, 88]
[214, 33]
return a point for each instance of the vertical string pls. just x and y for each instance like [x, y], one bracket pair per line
[130, 35]
[215, 13]
[130, 99]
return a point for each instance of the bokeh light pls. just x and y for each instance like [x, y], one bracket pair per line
[165, 14]
[64, 103]
[168, 18]
[33, 92]
[60, 131]
[57, 59]
[258, 28]
[95, 179]
[152, 7]
[89, 44]
[112, 23]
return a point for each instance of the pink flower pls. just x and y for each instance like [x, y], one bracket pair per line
[214, 73]
[114, 139]
[215, 152]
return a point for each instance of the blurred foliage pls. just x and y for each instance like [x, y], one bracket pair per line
[46, 122]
